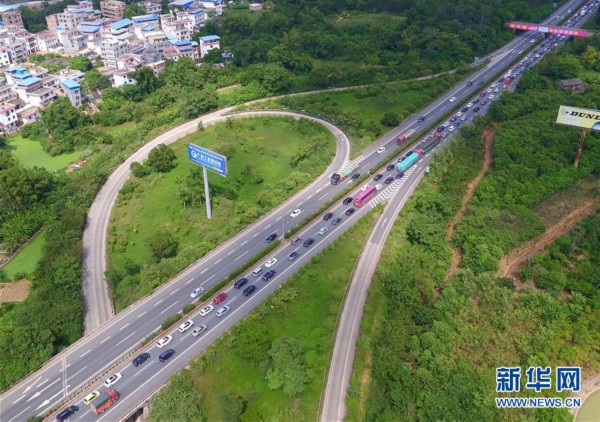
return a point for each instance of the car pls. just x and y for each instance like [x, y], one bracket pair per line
[196, 292]
[496, 90]
[224, 309]
[378, 187]
[293, 255]
[323, 230]
[452, 99]
[390, 167]
[491, 96]
[88, 399]
[400, 175]
[377, 177]
[453, 119]
[271, 237]
[308, 242]
[327, 216]
[388, 180]
[206, 310]
[480, 83]
[199, 330]
[457, 124]
[221, 297]
[463, 118]
[268, 275]
[295, 213]
[421, 119]
[270, 262]
[465, 109]
[336, 221]
[138, 361]
[489, 90]
[67, 413]
[484, 102]
[443, 136]
[470, 83]
[446, 124]
[241, 282]
[482, 94]
[186, 326]
[112, 380]
[166, 355]
[476, 109]
[380, 150]
[348, 200]
[451, 129]
[163, 342]
[249, 290]
[476, 100]
[458, 114]
[349, 211]
[469, 105]
[440, 129]
[355, 176]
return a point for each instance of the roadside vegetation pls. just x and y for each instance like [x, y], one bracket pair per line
[159, 224]
[273, 364]
[430, 345]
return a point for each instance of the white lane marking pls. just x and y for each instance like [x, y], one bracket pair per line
[300, 203]
[241, 256]
[45, 388]
[43, 382]
[142, 314]
[48, 401]
[71, 376]
[104, 339]
[31, 385]
[158, 303]
[170, 306]
[309, 196]
[211, 277]
[174, 291]
[255, 234]
[123, 327]
[189, 281]
[230, 252]
[125, 338]
[244, 242]
[19, 414]
[319, 190]
[218, 260]
[279, 218]
[322, 197]
[203, 271]
[88, 351]
[19, 399]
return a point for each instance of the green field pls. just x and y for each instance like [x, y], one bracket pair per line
[304, 309]
[113, 130]
[27, 258]
[257, 149]
[31, 154]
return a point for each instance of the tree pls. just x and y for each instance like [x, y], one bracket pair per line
[232, 406]
[287, 369]
[81, 63]
[390, 119]
[590, 57]
[134, 9]
[213, 56]
[20, 188]
[163, 245]
[147, 82]
[94, 80]
[138, 170]
[196, 102]
[162, 159]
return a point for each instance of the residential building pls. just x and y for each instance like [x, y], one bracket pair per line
[181, 4]
[120, 29]
[12, 19]
[72, 40]
[8, 118]
[122, 77]
[28, 114]
[42, 97]
[4, 56]
[155, 42]
[7, 92]
[576, 85]
[72, 90]
[129, 62]
[207, 43]
[179, 49]
[157, 67]
[47, 41]
[145, 20]
[110, 50]
[112, 9]
[197, 15]
[27, 86]
[181, 30]
[52, 22]
[212, 6]
[152, 6]
[14, 74]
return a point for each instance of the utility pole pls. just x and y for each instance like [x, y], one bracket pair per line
[580, 146]
[206, 194]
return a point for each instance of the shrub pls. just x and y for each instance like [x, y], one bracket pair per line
[167, 323]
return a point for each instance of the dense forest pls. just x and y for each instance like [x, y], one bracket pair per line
[440, 339]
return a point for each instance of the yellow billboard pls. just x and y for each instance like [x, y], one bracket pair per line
[581, 117]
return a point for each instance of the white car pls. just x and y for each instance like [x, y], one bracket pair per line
[164, 341]
[196, 292]
[222, 311]
[186, 326]
[112, 380]
[364, 187]
[458, 114]
[295, 213]
[470, 105]
[323, 230]
[452, 99]
[491, 96]
[206, 310]
[451, 129]
[198, 330]
[270, 262]
[489, 90]
[380, 150]
[378, 187]
[497, 90]
[446, 124]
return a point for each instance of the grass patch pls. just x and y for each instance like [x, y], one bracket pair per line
[113, 130]
[27, 258]
[360, 111]
[269, 160]
[304, 309]
[31, 154]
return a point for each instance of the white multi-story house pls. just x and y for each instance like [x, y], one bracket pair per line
[207, 43]
[181, 30]
[12, 19]
[112, 9]
[28, 114]
[179, 49]
[72, 40]
[8, 118]
[72, 90]
[4, 56]
[111, 49]
[215, 6]
[152, 6]
[47, 41]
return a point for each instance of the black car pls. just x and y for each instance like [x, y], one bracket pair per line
[327, 216]
[336, 221]
[268, 275]
[476, 109]
[249, 290]
[140, 359]
[476, 100]
[293, 255]
[349, 211]
[388, 180]
[390, 167]
[465, 109]
[484, 102]
[241, 282]
[355, 176]
[309, 241]
[377, 177]
[440, 129]
[400, 175]
[271, 237]
[470, 83]
[421, 119]
[67, 413]
[348, 200]
[480, 83]
[166, 355]
[454, 119]
[457, 124]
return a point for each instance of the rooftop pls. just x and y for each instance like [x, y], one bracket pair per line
[14, 69]
[145, 18]
[182, 3]
[70, 84]
[195, 11]
[123, 23]
[209, 38]
[29, 81]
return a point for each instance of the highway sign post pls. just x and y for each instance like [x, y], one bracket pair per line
[211, 160]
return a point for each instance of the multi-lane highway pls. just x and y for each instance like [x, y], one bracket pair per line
[87, 362]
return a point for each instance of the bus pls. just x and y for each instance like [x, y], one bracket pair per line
[365, 196]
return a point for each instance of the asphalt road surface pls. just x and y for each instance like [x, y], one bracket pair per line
[89, 361]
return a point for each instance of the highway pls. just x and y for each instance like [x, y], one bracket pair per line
[89, 361]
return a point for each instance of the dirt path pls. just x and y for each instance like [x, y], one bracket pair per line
[509, 265]
[488, 140]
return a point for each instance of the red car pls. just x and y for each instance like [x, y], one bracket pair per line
[220, 298]
[482, 94]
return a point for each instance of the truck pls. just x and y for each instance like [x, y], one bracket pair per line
[410, 160]
[104, 401]
[402, 138]
[345, 172]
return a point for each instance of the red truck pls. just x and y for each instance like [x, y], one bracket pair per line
[402, 138]
[104, 401]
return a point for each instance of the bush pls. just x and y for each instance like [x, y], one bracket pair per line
[162, 159]
[188, 308]
[167, 323]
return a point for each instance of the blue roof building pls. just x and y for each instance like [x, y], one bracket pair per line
[12, 69]
[72, 90]
[29, 81]
[210, 38]
[184, 4]
[123, 23]
[70, 84]
[145, 18]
